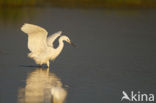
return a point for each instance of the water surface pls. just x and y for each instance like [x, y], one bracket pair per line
[116, 51]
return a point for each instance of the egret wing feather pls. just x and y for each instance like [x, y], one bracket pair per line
[36, 37]
[52, 38]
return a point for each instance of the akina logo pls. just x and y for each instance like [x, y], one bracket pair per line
[137, 96]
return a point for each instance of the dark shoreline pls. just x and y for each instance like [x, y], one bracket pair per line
[80, 3]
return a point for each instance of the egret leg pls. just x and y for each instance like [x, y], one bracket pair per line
[48, 64]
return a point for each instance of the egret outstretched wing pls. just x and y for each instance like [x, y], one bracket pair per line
[52, 38]
[36, 37]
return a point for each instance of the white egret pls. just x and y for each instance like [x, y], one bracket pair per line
[41, 47]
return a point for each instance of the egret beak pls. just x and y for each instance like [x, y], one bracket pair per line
[72, 44]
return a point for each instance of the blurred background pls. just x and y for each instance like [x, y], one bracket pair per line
[115, 50]
[12, 10]
[81, 3]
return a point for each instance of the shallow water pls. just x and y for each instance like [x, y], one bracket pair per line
[115, 52]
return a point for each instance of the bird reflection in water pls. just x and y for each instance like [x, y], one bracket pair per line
[42, 87]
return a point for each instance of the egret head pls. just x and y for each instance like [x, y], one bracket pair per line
[65, 38]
